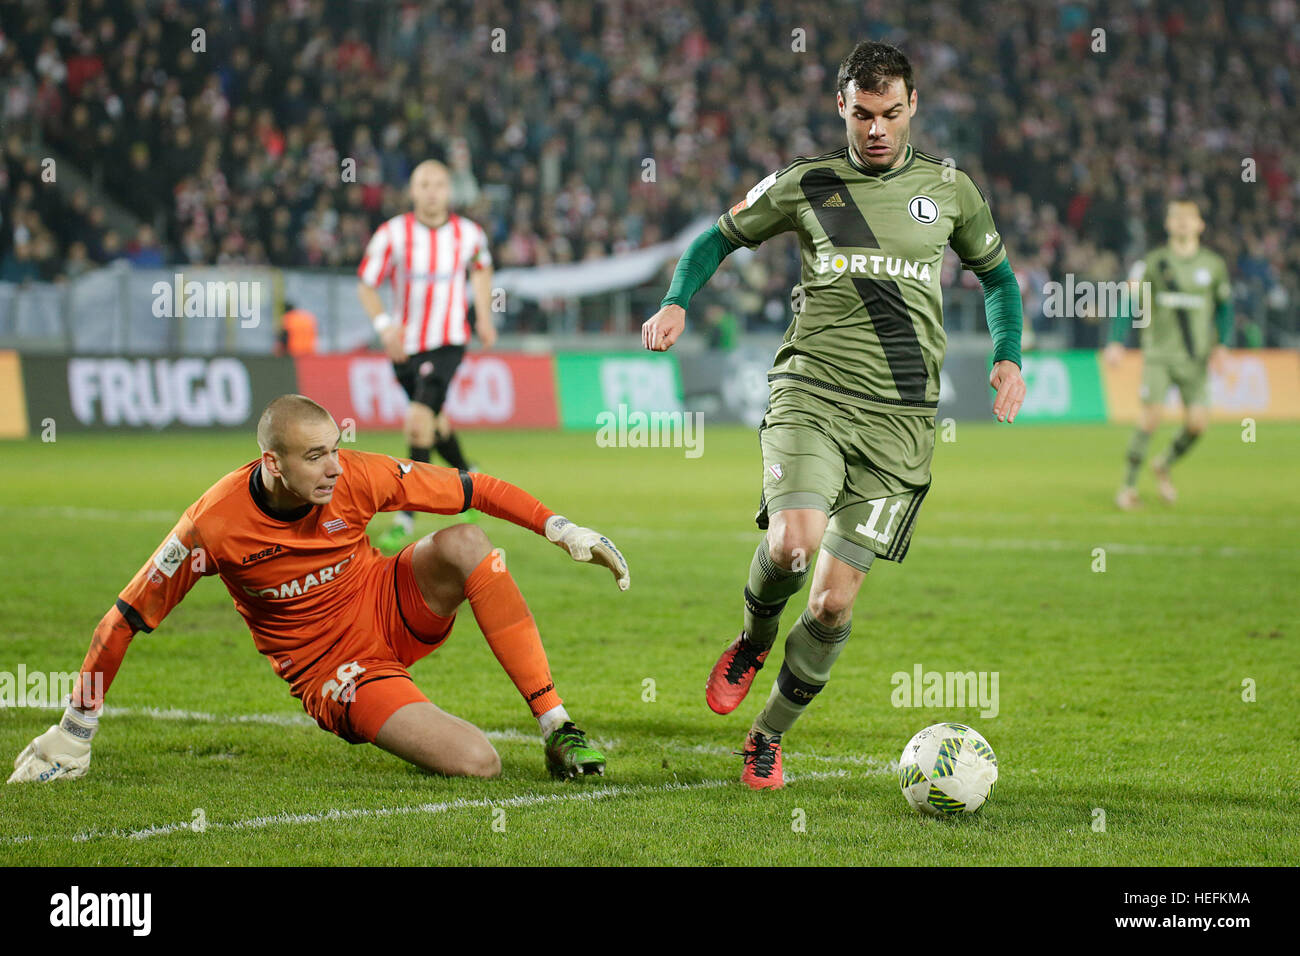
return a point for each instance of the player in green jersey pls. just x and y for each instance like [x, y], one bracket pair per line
[1183, 335]
[849, 431]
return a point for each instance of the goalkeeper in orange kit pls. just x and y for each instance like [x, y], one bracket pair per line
[287, 535]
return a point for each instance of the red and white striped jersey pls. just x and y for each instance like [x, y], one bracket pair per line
[427, 268]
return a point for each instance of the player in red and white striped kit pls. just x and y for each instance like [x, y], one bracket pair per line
[427, 254]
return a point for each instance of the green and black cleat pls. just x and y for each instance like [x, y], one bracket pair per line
[569, 755]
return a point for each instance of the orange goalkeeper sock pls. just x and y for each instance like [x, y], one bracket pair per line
[511, 632]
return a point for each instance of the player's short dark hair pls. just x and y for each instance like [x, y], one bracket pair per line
[872, 65]
[280, 413]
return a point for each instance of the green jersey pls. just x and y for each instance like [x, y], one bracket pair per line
[1184, 292]
[868, 324]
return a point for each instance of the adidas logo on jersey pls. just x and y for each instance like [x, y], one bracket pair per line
[834, 200]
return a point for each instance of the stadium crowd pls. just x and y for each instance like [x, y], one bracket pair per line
[283, 133]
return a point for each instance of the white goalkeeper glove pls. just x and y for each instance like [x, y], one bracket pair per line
[583, 544]
[61, 753]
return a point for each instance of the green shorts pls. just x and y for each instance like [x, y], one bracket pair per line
[868, 471]
[1191, 377]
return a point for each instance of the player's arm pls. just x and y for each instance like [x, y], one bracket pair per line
[63, 751]
[417, 486]
[1224, 320]
[376, 266]
[694, 269]
[1123, 319]
[763, 213]
[977, 243]
[480, 278]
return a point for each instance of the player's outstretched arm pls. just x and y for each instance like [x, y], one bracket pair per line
[696, 266]
[418, 486]
[63, 751]
[1003, 311]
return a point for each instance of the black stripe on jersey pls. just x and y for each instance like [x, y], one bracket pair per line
[133, 617]
[467, 486]
[1184, 316]
[729, 222]
[903, 537]
[846, 227]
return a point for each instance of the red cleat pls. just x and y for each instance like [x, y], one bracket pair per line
[762, 762]
[730, 678]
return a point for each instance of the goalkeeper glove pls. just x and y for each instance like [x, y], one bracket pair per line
[62, 752]
[583, 544]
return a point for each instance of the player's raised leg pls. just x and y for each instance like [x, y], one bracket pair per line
[1148, 421]
[459, 563]
[776, 573]
[1195, 419]
[811, 649]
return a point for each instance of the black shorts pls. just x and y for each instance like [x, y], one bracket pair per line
[426, 376]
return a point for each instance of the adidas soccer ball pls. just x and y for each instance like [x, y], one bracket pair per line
[947, 769]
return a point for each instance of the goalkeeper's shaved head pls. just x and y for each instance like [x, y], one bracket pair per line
[280, 418]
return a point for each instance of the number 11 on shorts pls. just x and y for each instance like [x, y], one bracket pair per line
[869, 526]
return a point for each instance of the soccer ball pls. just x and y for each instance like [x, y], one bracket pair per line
[947, 769]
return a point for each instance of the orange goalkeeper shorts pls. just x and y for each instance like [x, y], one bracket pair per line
[362, 680]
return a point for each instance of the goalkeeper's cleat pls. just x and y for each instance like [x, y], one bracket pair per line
[394, 539]
[1127, 499]
[569, 755]
[1168, 493]
[732, 675]
[762, 762]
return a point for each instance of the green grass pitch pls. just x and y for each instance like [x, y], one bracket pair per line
[1121, 691]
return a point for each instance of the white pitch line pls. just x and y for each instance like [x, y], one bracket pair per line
[360, 813]
[508, 735]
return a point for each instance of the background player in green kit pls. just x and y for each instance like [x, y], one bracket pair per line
[849, 432]
[1189, 295]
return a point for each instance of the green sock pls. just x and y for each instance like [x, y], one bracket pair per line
[810, 650]
[1137, 450]
[769, 587]
[1183, 441]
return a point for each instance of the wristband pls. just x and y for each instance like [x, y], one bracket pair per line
[382, 321]
[78, 724]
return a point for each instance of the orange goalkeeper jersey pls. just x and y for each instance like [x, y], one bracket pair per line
[292, 580]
